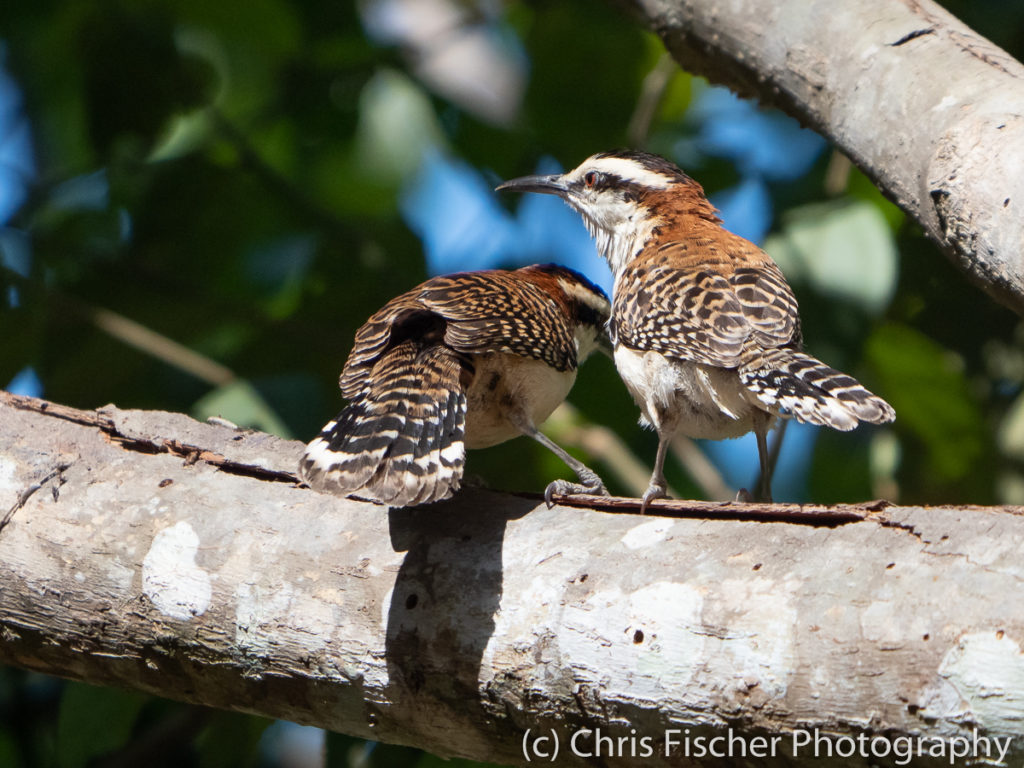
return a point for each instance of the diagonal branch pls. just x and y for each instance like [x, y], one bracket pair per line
[927, 108]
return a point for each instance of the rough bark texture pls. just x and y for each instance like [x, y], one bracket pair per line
[150, 551]
[930, 110]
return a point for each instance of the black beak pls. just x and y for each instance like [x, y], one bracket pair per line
[551, 185]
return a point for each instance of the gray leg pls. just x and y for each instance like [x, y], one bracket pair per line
[657, 488]
[589, 482]
[761, 430]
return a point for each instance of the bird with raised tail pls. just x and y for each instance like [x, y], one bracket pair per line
[467, 360]
[705, 329]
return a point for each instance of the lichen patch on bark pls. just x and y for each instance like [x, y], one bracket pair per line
[171, 579]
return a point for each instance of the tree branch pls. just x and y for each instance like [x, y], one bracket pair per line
[181, 559]
[930, 110]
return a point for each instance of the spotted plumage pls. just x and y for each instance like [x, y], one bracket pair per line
[464, 360]
[705, 329]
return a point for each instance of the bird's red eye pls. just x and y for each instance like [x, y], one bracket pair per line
[590, 178]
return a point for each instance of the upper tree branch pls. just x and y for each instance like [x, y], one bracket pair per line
[930, 110]
[178, 558]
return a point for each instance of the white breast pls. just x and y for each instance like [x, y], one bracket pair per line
[678, 395]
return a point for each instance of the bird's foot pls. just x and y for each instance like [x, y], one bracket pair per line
[591, 487]
[743, 496]
[654, 491]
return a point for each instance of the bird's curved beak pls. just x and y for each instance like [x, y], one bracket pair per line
[553, 184]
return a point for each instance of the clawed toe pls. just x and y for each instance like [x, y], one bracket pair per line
[653, 492]
[743, 496]
[565, 488]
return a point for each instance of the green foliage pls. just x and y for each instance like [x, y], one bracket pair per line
[93, 721]
[230, 740]
[229, 175]
[842, 248]
[240, 403]
[933, 399]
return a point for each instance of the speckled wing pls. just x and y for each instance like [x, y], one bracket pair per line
[473, 312]
[400, 440]
[697, 313]
[502, 312]
[768, 303]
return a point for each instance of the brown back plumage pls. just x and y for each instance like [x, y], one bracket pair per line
[709, 296]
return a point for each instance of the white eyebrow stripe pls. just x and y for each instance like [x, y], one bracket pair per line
[584, 295]
[627, 170]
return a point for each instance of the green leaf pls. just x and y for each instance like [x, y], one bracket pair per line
[678, 96]
[241, 403]
[93, 721]
[230, 740]
[926, 385]
[862, 188]
[1011, 432]
[246, 42]
[397, 126]
[844, 249]
[677, 93]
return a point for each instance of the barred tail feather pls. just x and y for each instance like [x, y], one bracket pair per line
[400, 441]
[793, 384]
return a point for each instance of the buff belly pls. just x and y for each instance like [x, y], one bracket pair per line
[508, 389]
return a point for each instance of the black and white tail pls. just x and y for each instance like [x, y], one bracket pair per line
[400, 440]
[792, 384]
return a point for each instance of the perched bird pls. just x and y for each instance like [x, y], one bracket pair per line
[467, 360]
[705, 329]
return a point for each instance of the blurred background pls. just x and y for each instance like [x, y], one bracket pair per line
[201, 201]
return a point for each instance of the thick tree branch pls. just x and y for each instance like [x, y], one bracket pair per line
[147, 550]
[930, 110]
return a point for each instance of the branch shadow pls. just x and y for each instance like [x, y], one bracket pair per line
[442, 607]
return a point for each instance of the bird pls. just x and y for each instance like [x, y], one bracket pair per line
[705, 329]
[465, 360]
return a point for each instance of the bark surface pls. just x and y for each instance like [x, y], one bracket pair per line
[929, 109]
[153, 552]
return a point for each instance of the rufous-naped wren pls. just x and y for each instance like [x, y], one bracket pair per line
[705, 329]
[467, 360]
